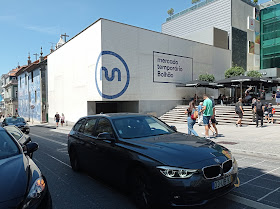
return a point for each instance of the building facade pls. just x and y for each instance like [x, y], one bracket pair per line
[10, 91]
[239, 18]
[32, 95]
[114, 67]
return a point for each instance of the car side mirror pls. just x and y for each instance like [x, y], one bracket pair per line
[105, 136]
[31, 147]
[173, 128]
[27, 140]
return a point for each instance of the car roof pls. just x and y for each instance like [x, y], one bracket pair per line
[116, 115]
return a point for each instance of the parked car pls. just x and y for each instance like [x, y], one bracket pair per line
[22, 184]
[17, 121]
[159, 165]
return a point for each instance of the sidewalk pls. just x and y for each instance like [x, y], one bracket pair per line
[244, 140]
[63, 129]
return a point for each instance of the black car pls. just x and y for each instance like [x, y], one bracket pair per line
[17, 121]
[158, 165]
[22, 185]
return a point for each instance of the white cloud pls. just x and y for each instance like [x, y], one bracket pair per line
[53, 30]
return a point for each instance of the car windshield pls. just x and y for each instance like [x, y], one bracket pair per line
[14, 120]
[8, 148]
[140, 126]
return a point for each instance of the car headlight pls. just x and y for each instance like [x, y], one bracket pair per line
[172, 172]
[37, 188]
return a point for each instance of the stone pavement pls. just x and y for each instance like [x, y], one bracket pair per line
[244, 140]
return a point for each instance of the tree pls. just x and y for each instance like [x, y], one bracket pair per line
[170, 12]
[255, 1]
[195, 1]
[254, 73]
[234, 71]
[206, 77]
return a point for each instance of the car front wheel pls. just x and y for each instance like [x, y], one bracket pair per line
[141, 189]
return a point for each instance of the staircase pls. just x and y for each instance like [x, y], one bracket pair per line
[224, 115]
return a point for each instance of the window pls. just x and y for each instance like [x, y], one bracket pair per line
[104, 125]
[19, 81]
[89, 126]
[17, 134]
[78, 125]
[32, 76]
[35, 96]
[25, 79]
[16, 94]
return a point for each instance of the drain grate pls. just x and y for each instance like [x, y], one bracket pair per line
[226, 142]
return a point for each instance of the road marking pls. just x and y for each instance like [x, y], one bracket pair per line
[251, 165]
[248, 202]
[275, 190]
[51, 140]
[260, 176]
[58, 160]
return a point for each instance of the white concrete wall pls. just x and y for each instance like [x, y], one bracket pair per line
[71, 74]
[72, 69]
[205, 36]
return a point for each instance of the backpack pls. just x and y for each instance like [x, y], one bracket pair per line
[194, 115]
[259, 107]
[273, 110]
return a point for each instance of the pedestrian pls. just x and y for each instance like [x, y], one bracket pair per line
[266, 111]
[253, 110]
[271, 112]
[191, 111]
[212, 124]
[239, 111]
[277, 97]
[56, 118]
[207, 113]
[200, 114]
[259, 109]
[62, 120]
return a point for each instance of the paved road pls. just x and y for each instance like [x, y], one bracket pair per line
[260, 180]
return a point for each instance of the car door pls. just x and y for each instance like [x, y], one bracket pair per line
[110, 155]
[88, 146]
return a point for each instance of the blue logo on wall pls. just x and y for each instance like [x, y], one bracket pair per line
[114, 71]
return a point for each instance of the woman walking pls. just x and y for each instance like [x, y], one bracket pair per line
[62, 120]
[191, 120]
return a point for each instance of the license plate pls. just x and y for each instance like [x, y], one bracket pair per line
[221, 183]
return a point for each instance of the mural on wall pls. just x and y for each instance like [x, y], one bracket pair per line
[257, 38]
[257, 14]
[29, 97]
[251, 47]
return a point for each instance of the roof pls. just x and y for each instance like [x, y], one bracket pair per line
[30, 67]
[116, 115]
[14, 71]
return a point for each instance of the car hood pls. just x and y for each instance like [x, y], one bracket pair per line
[178, 149]
[13, 178]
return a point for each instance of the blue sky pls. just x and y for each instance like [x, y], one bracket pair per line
[28, 25]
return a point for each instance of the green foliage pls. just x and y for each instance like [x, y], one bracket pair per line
[255, 1]
[195, 1]
[254, 73]
[206, 77]
[170, 11]
[234, 71]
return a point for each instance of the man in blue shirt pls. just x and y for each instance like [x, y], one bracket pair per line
[207, 114]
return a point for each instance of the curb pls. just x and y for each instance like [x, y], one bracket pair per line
[43, 126]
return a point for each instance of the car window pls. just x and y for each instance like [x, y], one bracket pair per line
[8, 148]
[14, 131]
[104, 125]
[140, 126]
[78, 125]
[89, 126]
[15, 120]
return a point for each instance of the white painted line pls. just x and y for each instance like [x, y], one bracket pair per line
[260, 176]
[251, 165]
[247, 202]
[58, 160]
[275, 190]
[51, 140]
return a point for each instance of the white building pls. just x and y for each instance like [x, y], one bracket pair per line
[239, 18]
[113, 67]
